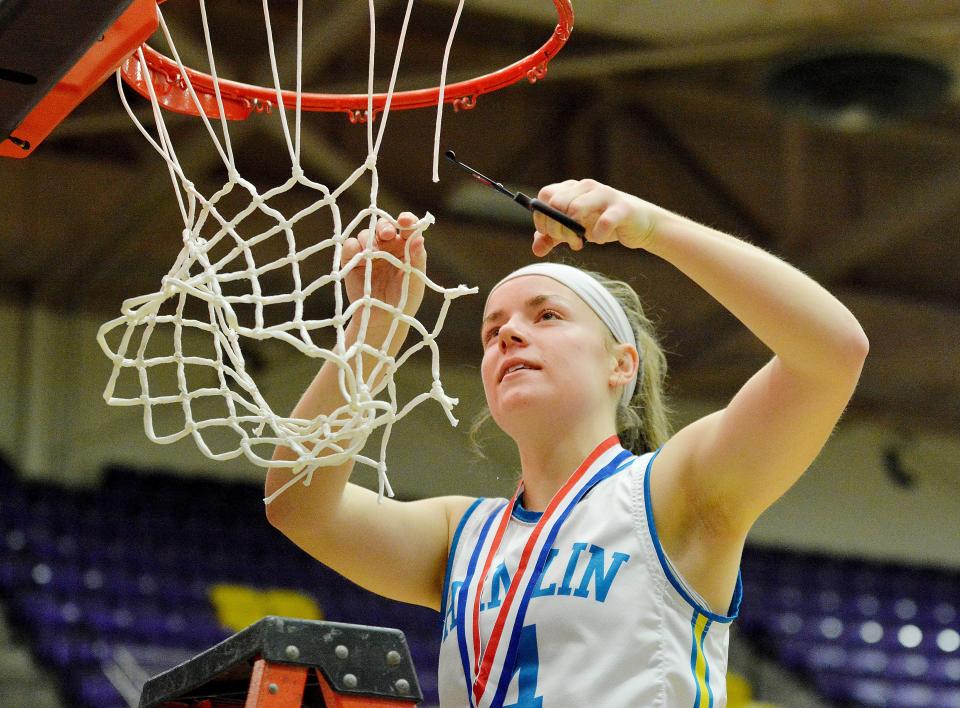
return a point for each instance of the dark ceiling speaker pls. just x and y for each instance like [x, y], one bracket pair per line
[856, 87]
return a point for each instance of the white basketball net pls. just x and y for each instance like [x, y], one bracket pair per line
[217, 271]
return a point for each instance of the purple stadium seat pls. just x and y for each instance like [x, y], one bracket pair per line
[870, 692]
[69, 651]
[939, 613]
[67, 546]
[907, 607]
[91, 571]
[787, 597]
[826, 657]
[67, 578]
[872, 634]
[909, 666]
[14, 572]
[793, 652]
[38, 608]
[120, 582]
[901, 580]
[948, 698]
[864, 605]
[107, 621]
[41, 542]
[945, 670]
[868, 578]
[428, 684]
[869, 634]
[834, 686]
[913, 695]
[95, 690]
[869, 662]
[148, 622]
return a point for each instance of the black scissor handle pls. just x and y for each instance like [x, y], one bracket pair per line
[547, 210]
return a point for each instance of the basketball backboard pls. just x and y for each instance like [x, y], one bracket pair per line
[54, 54]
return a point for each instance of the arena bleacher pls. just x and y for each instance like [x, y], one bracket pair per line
[107, 586]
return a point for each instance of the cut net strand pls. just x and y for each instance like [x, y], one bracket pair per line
[197, 324]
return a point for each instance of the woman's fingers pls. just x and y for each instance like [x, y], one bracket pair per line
[542, 244]
[606, 225]
[418, 253]
[553, 233]
[568, 198]
[406, 221]
[351, 247]
[559, 194]
[606, 214]
[386, 230]
[389, 236]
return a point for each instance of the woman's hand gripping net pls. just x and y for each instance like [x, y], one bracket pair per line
[404, 242]
[384, 276]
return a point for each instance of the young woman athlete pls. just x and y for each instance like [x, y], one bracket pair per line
[611, 578]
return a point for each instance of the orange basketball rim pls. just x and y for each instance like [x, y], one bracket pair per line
[118, 49]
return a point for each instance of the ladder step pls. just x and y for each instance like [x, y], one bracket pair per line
[278, 661]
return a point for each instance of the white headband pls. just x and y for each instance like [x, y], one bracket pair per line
[596, 296]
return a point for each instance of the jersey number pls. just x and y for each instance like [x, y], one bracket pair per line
[528, 665]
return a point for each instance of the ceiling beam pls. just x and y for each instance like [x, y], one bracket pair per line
[910, 375]
[696, 23]
[796, 187]
[337, 32]
[701, 99]
[656, 132]
[921, 205]
[914, 348]
[686, 53]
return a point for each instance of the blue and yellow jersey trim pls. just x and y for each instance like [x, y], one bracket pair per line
[699, 664]
[668, 571]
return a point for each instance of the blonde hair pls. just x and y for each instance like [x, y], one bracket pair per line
[643, 424]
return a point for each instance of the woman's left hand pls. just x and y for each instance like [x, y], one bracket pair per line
[606, 213]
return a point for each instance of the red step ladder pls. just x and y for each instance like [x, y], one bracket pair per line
[281, 662]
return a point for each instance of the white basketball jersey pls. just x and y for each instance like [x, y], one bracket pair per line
[604, 621]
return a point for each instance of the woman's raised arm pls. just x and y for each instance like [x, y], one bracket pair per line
[396, 549]
[716, 476]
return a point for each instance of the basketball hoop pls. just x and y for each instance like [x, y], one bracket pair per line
[240, 99]
[222, 268]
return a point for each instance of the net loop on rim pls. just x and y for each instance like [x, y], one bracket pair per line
[465, 103]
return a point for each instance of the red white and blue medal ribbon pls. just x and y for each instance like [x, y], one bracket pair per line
[489, 669]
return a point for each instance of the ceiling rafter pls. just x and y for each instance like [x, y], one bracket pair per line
[688, 161]
[591, 67]
[322, 43]
[921, 205]
[911, 365]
